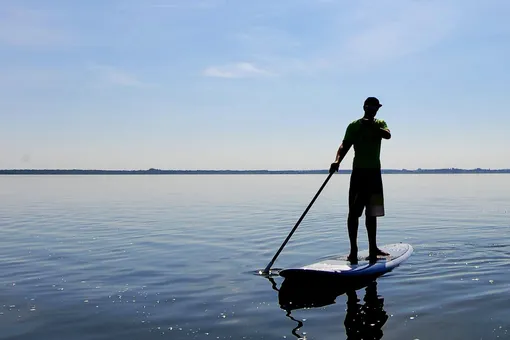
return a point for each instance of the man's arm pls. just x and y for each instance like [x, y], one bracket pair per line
[342, 151]
[340, 154]
[385, 133]
[383, 129]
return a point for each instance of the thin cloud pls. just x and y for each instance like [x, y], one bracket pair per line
[355, 37]
[24, 27]
[265, 38]
[237, 70]
[188, 4]
[114, 76]
[27, 78]
[409, 27]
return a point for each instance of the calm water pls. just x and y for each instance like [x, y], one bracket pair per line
[146, 257]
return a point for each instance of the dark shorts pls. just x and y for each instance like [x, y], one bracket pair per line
[366, 192]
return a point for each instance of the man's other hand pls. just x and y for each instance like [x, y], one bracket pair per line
[334, 167]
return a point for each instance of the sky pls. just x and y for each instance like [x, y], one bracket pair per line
[266, 84]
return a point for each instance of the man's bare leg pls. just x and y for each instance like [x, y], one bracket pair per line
[352, 226]
[371, 224]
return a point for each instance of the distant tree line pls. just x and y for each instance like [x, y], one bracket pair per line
[153, 171]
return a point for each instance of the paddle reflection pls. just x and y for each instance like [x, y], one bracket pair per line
[364, 319]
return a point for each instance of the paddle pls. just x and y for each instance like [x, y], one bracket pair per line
[266, 271]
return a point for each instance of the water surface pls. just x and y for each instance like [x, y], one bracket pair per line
[143, 257]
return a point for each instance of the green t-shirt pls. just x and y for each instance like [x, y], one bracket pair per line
[366, 140]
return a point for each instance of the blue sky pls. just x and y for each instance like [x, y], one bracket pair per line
[215, 84]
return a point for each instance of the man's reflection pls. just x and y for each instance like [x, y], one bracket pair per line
[362, 321]
[365, 321]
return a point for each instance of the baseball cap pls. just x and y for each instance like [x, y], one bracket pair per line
[372, 101]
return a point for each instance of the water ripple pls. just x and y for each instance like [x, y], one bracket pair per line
[138, 257]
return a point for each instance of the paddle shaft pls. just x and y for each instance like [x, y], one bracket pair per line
[266, 271]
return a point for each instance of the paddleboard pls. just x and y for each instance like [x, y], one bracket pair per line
[339, 266]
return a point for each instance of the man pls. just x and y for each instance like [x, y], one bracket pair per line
[366, 189]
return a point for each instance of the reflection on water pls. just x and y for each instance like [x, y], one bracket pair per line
[365, 321]
[364, 318]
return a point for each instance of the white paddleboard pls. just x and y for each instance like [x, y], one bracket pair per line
[338, 265]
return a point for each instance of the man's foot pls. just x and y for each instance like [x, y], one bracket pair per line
[371, 258]
[353, 258]
[374, 255]
[379, 252]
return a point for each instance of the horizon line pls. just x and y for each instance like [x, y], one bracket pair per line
[241, 170]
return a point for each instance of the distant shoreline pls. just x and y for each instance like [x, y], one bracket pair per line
[234, 172]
